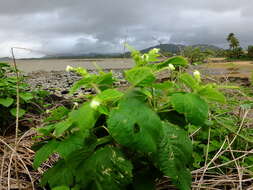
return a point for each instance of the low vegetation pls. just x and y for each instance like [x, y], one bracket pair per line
[130, 138]
[9, 83]
[197, 56]
[182, 131]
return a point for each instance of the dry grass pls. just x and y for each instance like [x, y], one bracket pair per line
[20, 175]
[16, 165]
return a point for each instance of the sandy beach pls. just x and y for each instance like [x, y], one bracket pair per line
[28, 66]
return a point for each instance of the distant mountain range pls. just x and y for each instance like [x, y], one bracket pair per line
[83, 55]
[177, 48]
[4, 59]
[173, 48]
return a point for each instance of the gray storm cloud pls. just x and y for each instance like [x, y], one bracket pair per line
[77, 26]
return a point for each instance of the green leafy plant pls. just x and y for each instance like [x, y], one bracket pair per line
[121, 139]
[197, 56]
[8, 92]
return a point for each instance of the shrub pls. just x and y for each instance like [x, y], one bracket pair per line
[196, 55]
[127, 139]
[236, 53]
[8, 92]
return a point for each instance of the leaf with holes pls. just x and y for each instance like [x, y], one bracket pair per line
[174, 155]
[60, 174]
[135, 125]
[107, 168]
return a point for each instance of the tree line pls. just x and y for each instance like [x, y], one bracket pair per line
[196, 55]
[235, 51]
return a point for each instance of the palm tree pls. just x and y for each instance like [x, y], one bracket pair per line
[233, 41]
[230, 36]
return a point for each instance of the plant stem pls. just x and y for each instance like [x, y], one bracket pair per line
[17, 111]
[104, 140]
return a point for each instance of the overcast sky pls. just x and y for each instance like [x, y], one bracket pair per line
[82, 26]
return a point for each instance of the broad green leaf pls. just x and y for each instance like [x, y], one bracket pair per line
[189, 81]
[103, 110]
[46, 130]
[210, 93]
[109, 95]
[61, 188]
[151, 56]
[174, 155]
[104, 81]
[106, 169]
[192, 106]
[135, 125]
[21, 112]
[64, 148]
[85, 117]
[6, 102]
[26, 96]
[71, 144]
[58, 114]
[164, 86]
[81, 71]
[61, 127]
[60, 174]
[43, 153]
[147, 92]
[84, 82]
[136, 55]
[176, 61]
[140, 76]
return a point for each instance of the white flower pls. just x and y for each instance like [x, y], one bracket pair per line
[145, 57]
[196, 74]
[155, 50]
[48, 111]
[94, 104]
[69, 68]
[171, 67]
[76, 104]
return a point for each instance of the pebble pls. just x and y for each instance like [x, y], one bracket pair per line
[60, 82]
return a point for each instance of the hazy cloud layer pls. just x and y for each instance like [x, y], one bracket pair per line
[82, 26]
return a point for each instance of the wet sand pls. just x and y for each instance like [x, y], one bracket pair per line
[241, 69]
[28, 66]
